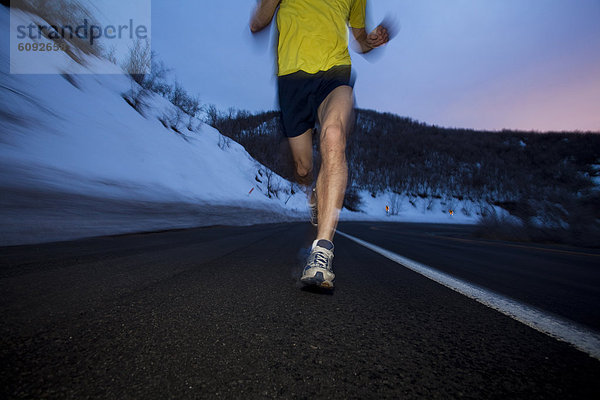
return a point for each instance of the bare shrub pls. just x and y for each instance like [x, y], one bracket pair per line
[290, 192]
[492, 225]
[584, 221]
[395, 202]
[467, 208]
[156, 79]
[270, 179]
[138, 61]
[428, 203]
[190, 105]
[136, 97]
[173, 119]
[352, 200]
[110, 55]
[211, 116]
[574, 221]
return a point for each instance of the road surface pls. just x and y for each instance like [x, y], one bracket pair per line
[218, 312]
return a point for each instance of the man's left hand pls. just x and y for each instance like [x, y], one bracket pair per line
[378, 37]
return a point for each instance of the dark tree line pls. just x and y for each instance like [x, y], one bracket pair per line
[527, 173]
[407, 156]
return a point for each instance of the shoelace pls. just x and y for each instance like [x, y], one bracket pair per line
[319, 259]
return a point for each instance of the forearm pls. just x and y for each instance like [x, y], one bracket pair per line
[263, 15]
[362, 44]
[367, 42]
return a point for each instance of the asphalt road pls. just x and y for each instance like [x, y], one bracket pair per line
[218, 312]
[562, 280]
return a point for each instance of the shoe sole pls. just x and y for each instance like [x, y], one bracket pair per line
[317, 280]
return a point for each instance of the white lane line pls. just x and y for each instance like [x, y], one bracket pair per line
[562, 329]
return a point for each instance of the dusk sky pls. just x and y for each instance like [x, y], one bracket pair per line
[484, 64]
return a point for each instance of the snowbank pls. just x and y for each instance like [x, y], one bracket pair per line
[78, 134]
[407, 208]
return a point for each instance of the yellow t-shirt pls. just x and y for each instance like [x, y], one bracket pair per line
[313, 34]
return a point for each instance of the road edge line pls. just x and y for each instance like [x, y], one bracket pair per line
[558, 328]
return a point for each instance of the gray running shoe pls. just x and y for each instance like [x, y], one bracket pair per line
[318, 270]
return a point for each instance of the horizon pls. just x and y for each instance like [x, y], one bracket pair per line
[415, 121]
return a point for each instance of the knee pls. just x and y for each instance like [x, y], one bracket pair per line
[303, 174]
[333, 142]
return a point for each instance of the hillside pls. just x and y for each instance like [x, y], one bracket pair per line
[544, 179]
[71, 140]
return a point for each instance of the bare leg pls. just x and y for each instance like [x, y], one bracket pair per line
[302, 153]
[335, 115]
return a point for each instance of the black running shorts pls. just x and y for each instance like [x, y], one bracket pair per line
[301, 94]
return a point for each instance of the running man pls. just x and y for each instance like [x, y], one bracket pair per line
[314, 85]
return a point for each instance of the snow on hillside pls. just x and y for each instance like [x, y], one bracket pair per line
[76, 135]
[85, 130]
[403, 208]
